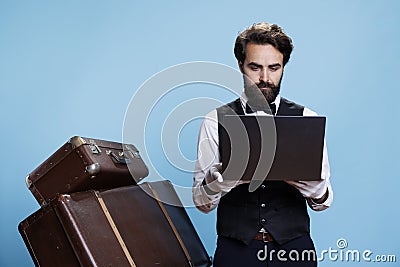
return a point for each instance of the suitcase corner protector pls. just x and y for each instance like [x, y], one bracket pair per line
[93, 169]
[28, 181]
[76, 141]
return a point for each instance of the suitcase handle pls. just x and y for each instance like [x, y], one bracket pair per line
[118, 160]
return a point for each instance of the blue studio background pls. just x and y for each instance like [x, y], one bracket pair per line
[71, 67]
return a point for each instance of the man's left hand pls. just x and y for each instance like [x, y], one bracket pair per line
[316, 190]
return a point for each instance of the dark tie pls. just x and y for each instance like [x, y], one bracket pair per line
[271, 110]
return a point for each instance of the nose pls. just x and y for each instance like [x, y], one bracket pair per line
[264, 75]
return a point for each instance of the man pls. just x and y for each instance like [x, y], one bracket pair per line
[269, 226]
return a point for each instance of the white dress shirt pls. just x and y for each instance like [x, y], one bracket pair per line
[208, 155]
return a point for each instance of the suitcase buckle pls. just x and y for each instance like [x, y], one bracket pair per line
[118, 160]
[93, 147]
[135, 154]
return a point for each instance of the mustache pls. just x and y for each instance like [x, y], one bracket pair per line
[263, 84]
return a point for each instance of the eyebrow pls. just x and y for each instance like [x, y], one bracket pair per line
[253, 64]
[260, 66]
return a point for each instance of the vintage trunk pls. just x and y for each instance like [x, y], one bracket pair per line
[125, 226]
[84, 164]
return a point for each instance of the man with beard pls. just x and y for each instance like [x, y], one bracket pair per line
[269, 226]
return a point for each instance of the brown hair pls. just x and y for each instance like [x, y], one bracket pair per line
[263, 33]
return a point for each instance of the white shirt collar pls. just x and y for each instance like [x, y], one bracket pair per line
[243, 101]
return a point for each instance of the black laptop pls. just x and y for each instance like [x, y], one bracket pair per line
[272, 147]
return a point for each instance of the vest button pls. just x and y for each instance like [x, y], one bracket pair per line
[263, 205]
[263, 220]
[263, 186]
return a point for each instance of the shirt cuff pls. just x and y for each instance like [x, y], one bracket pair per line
[210, 194]
[208, 191]
[324, 205]
[203, 201]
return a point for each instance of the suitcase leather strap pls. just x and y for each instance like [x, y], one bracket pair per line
[185, 251]
[115, 229]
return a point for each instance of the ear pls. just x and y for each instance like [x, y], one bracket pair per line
[240, 64]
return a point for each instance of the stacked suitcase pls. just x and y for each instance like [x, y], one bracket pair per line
[93, 213]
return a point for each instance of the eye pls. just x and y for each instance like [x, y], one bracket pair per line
[254, 68]
[274, 68]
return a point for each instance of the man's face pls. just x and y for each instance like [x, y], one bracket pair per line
[263, 65]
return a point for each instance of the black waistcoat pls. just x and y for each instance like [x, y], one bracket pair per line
[275, 205]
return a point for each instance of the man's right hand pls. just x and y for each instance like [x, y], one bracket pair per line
[215, 183]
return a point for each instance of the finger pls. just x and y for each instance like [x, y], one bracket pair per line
[219, 177]
[290, 182]
[296, 184]
[218, 166]
[302, 182]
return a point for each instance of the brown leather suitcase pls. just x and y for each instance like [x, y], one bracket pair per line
[83, 164]
[118, 227]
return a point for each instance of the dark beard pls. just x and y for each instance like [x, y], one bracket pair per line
[270, 90]
[257, 98]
